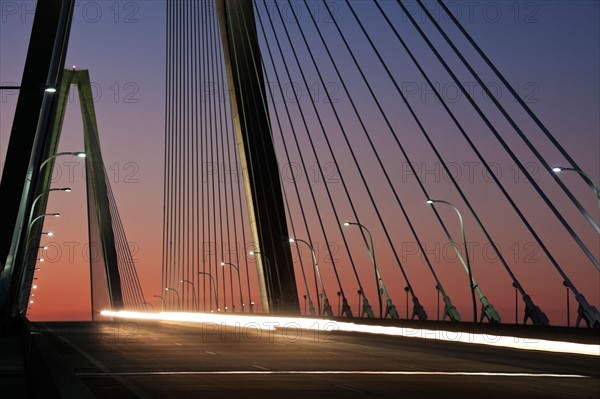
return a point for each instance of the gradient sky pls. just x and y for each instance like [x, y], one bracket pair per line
[548, 49]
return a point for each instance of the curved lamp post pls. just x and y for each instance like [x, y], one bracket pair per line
[586, 176]
[79, 154]
[215, 289]
[239, 285]
[311, 306]
[163, 303]
[177, 293]
[31, 220]
[390, 308]
[193, 292]
[487, 309]
[466, 251]
[56, 215]
[326, 306]
[237, 269]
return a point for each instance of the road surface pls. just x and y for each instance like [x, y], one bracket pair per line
[176, 360]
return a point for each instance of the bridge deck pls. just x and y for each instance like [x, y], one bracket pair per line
[160, 359]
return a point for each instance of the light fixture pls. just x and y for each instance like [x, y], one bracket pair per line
[34, 287]
[429, 201]
[50, 89]
[80, 154]
[557, 169]
[346, 224]
[292, 240]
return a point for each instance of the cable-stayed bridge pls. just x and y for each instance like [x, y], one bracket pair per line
[296, 162]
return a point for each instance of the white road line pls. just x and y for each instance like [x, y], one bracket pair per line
[340, 372]
[210, 353]
[133, 388]
[350, 389]
[177, 343]
[261, 367]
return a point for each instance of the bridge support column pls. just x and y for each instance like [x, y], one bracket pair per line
[31, 124]
[262, 182]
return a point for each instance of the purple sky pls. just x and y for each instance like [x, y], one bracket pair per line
[548, 49]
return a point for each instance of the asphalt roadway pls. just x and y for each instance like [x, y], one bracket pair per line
[173, 360]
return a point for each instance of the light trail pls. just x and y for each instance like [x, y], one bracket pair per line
[274, 323]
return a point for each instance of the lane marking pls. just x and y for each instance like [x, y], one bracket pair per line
[350, 389]
[261, 367]
[177, 343]
[337, 372]
[210, 353]
[133, 388]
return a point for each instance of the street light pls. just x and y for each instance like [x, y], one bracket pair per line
[437, 288]
[407, 290]
[79, 154]
[31, 220]
[472, 283]
[239, 285]
[163, 303]
[215, 289]
[178, 300]
[311, 307]
[566, 284]
[56, 215]
[487, 309]
[390, 308]
[586, 177]
[64, 189]
[193, 292]
[516, 287]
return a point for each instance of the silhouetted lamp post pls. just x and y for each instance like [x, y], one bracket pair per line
[568, 305]
[586, 176]
[468, 262]
[163, 303]
[215, 289]
[193, 292]
[177, 293]
[239, 285]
